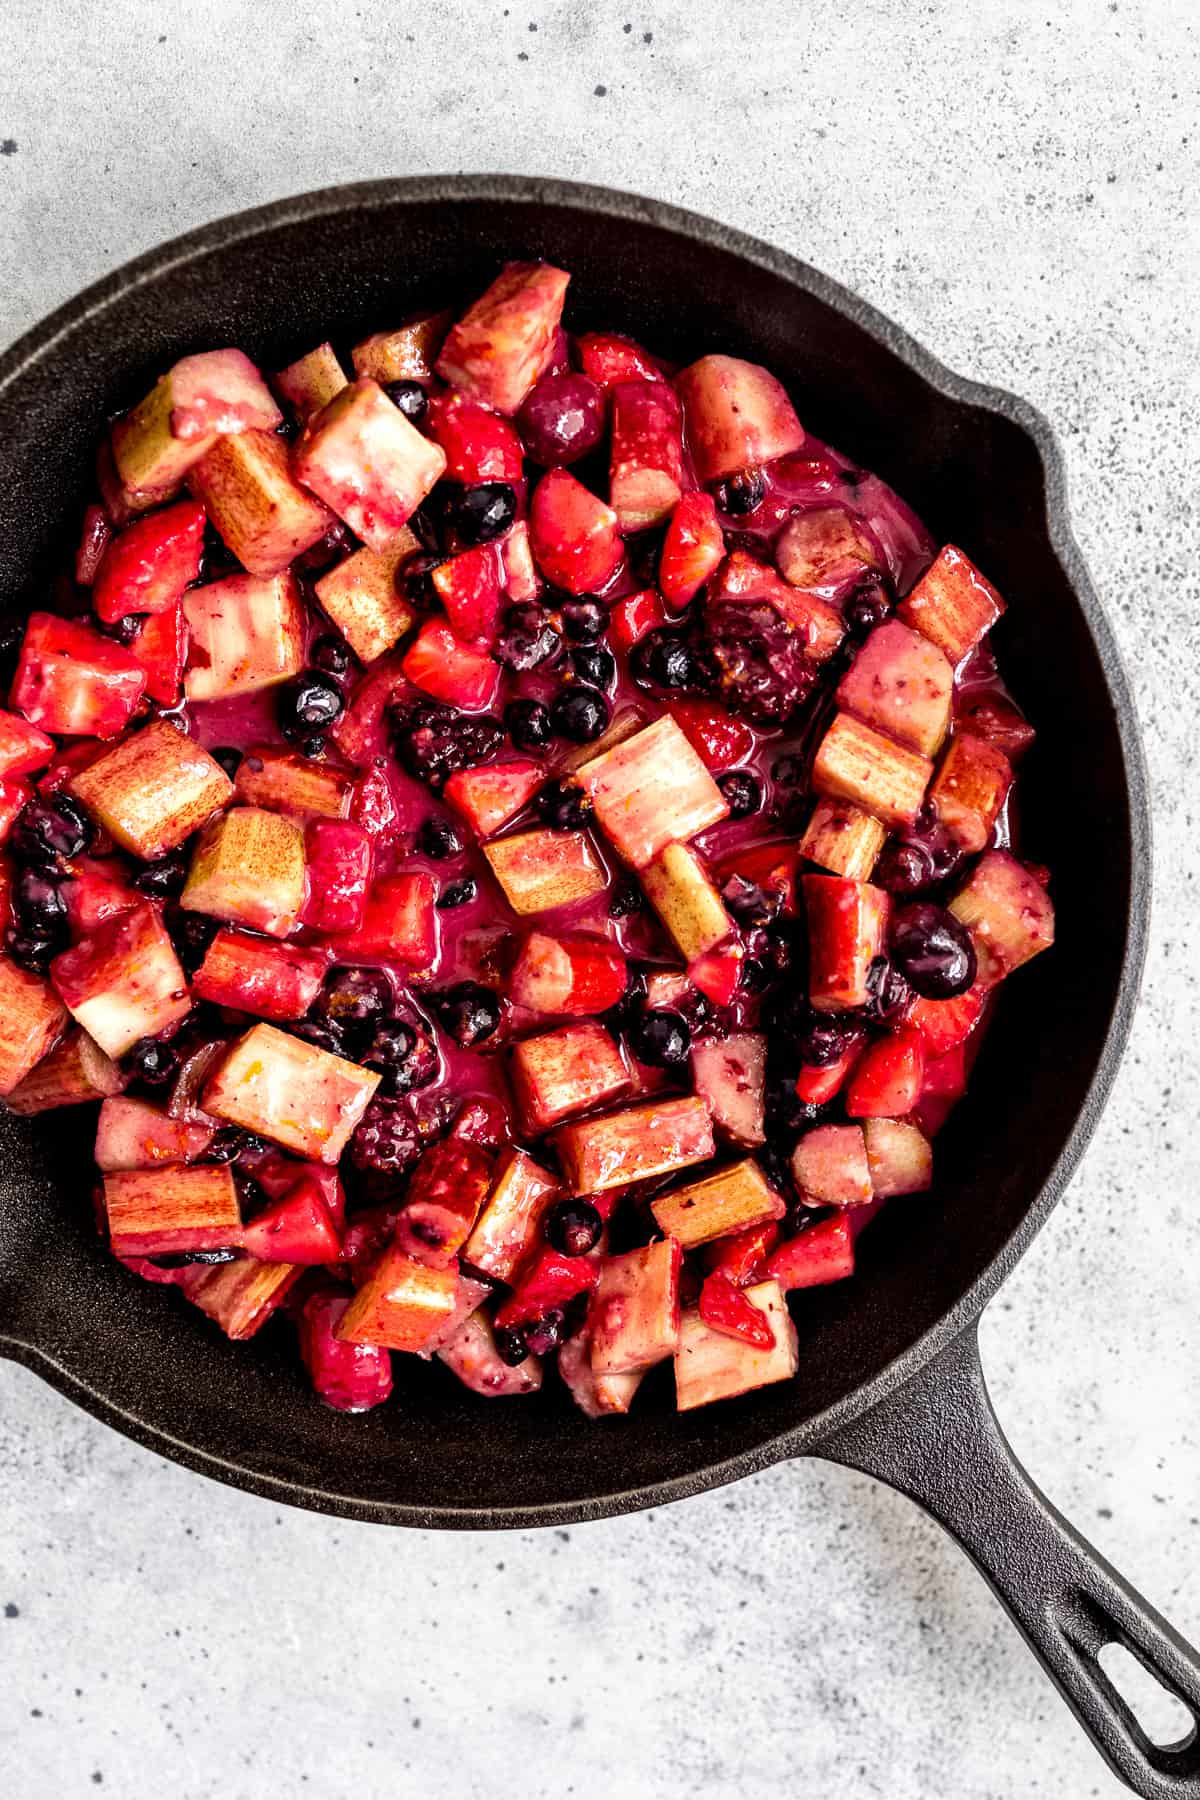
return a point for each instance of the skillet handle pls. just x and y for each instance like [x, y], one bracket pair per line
[939, 1442]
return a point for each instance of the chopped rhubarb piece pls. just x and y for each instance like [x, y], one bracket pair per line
[497, 350]
[284, 782]
[23, 748]
[361, 733]
[843, 839]
[711, 1365]
[399, 925]
[444, 1199]
[624, 724]
[742, 1257]
[646, 463]
[296, 1228]
[509, 1227]
[823, 1253]
[248, 868]
[634, 1319]
[634, 1144]
[359, 595]
[367, 462]
[847, 921]
[158, 1212]
[468, 586]
[635, 615]
[738, 416]
[573, 975]
[551, 1280]
[93, 541]
[241, 1296]
[349, 1377]
[564, 1072]
[887, 1077]
[302, 1098]
[1008, 913]
[969, 789]
[310, 382]
[944, 1024]
[725, 1307]
[718, 973]
[147, 566]
[719, 738]
[254, 975]
[479, 444]
[902, 685]
[73, 682]
[952, 605]
[607, 358]
[32, 1019]
[650, 791]
[132, 1134]
[742, 578]
[406, 354]
[95, 890]
[692, 548]
[247, 632]
[262, 514]
[159, 649]
[900, 1157]
[75, 1071]
[490, 796]
[823, 551]
[471, 1353]
[124, 982]
[540, 870]
[123, 502]
[771, 867]
[458, 673]
[596, 1396]
[681, 893]
[730, 1074]
[573, 535]
[469, 1297]
[858, 764]
[153, 789]
[997, 722]
[518, 571]
[817, 1085]
[202, 397]
[339, 856]
[731, 1200]
[829, 1165]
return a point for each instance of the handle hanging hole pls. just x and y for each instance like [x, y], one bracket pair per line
[1166, 1720]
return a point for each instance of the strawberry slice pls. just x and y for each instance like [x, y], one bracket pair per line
[372, 802]
[488, 798]
[725, 1308]
[74, 682]
[944, 1024]
[479, 444]
[160, 648]
[635, 615]
[468, 586]
[338, 855]
[945, 1079]
[23, 747]
[399, 923]
[349, 1377]
[147, 566]
[551, 1280]
[574, 535]
[15, 796]
[718, 973]
[887, 1080]
[823, 1253]
[608, 357]
[692, 548]
[572, 975]
[742, 1257]
[97, 889]
[458, 673]
[295, 1229]
[818, 1085]
[719, 738]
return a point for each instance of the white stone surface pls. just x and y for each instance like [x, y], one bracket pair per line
[1017, 184]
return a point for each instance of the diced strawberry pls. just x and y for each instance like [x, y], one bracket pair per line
[646, 462]
[366, 461]
[997, 722]
[74, 682]
[96, 890]
[372, 802]
[361, 732]
[160, 648]
[468, 586]
[445, 1195]
[692, 548]
[945, 1079]
[742, 1257]
[23, 747]
[816, 1086]
[572, 975]
[944, 1024]
[254, 975]
[551, 1280]
[846, 925]
[718, 973]
[608, 358]
[888, 1077]
[400, 923]
[720, 739]
[489, 796]
[574, 535]
[147, 566]
[479, 444]
[519, 574]
[635, 615]
[743, 577]
[500, 346]
[295, 1229]
[823, 1253]
[15, 796]
[726, 1308]
[93, 540]
[440, 665]
[277, 1174]
[338, 856]
[349, 1377]
[738, 416]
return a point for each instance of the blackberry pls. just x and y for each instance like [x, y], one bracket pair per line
[760, 662]
[467, 1012]
[562, 806]
[387, 1138]
[433, 741]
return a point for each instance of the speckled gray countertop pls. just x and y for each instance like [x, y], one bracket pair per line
[1016, 184]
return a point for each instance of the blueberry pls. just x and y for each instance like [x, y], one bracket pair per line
[625, 898]
[404, 1055]
[750, 904]
[742, 791]
[413, 582]
[629, 1007]
[822, 1038]
[50, 827]
[184, 1259]
[308, 704]
[152, 1061]
[583, 621]
[890, 991]
[662, 1039]
[562, 806]
[527, 638]
[664, 660]
[126, 630]
[867, 607]
[904, 867]
[410, 397]
[330, 654]
[313, 745]
[439, 840]
[164, 878]
[580, 714]
[191, 933]
[547, 1333]
[528, 723]
[467, 1012]
[323, 1034]
[230, 1142]
[30, 950]
[644, 552]
[39, 903]
[933, 950]
[595, 665]
[354, 997]
[484, 512]
[511, 1347]
[742, 493]
[459, 893]
[573, 1227]
[229, 759]
[789, 771]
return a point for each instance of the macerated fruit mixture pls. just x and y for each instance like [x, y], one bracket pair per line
[515, 841]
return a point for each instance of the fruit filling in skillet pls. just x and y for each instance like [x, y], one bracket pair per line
[514, 839]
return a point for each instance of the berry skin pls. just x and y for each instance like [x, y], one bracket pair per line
[741, 494]
[626, 898]
[309, 704]
[511, 1346]
[459, 893]
[439, 840]
[228, 1144]
[409, 397]
[47, 829]
[152, 1062]
[742, 791]
[482, 513]
[662, 1039]
[822, 1038]
[573, 1227]
[467, 1012]
[354, 999]
[40, 906]
[594, 665]
[562, 806]
[933, 951]
[330, 655]
[580, 714]
[748, 903]
[405, 1055]
[191, 933]
[324, 1034]
[29, 950]
[414, 582]
[866, 608]
[164, 878]
[528, 724]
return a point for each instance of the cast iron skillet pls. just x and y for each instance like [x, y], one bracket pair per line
[890, 1380]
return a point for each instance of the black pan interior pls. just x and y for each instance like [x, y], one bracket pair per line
[275, 283]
